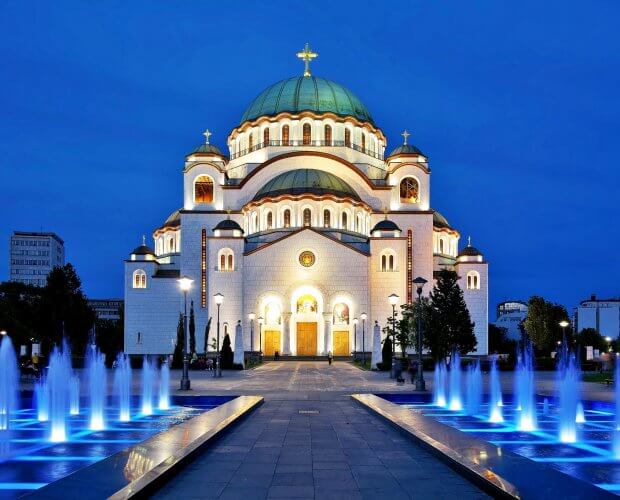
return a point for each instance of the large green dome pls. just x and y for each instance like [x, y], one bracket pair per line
[306, 181]
[307, 93]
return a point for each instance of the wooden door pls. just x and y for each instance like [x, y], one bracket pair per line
[341, 343]
[272, 342]
[306, 339]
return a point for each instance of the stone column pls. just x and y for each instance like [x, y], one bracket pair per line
[286, 334]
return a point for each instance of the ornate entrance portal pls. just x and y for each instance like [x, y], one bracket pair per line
[306, 339]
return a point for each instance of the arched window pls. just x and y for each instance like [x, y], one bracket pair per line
[160, 245]
[388, 261]
[226, 260]
[272, 313]
[328, 135]
[269, 220]
[473, 280]
[254, 222]
[409, 190]
[441, 248]
[307, 132]
[307, 215]
[347, 137]
[306, 304]
[344, 220]
[359, 221]
[266, 137]
[327, 218]
[139, 279]
[363, 142]
[171, 245]
[250, 141]
[203, 189]
[287, 218]
[341, 314]
[285, 135]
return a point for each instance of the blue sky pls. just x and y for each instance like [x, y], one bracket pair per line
[515, 103]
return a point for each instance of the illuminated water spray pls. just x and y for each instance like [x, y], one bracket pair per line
[456, 403]
[439, 384]
[474, 388]
[148, 376]
[58, 383]
[568, 387]
[525, 389]
[122, 386]
[95, 366]
[495, 398]
[9, 380]
[164, 387]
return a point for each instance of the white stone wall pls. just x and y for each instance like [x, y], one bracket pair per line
[477, 302]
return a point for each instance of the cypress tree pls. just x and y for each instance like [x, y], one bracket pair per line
[192, 329]
[177, 355]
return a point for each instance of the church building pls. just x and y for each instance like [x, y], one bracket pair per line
[306, 227]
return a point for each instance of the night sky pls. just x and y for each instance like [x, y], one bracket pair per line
[515, 103]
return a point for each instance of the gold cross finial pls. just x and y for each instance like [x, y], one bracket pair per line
[406, 135]
[307, 55]
[144, 240]
[469, 241]
[207, 133]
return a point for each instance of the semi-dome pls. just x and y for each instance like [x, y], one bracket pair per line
[470, 251]
[385, 225]
[306, 181]
[207, 149]
[228, 225]
[306, 93]
[143, 250]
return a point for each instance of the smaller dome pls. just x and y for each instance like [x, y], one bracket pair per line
[385, 225]
[228, 225]
[207, 149]
[470, 251]
[440, 221]
[405, 149]
[306, 181]
[143, 250]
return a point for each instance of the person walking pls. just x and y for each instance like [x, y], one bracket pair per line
[330, 357]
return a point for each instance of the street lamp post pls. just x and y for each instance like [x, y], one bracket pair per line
[219, 300]
[420, 385]
[355, 321]
[393, 299]
[563, 324]
[363, 317]
[185, 284]
[260, 337]
[607, 339]
[252, 317]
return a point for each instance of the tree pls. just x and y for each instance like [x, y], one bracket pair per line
[449, 325]
[19, 311]
[207, 329]
[177, 355]
[542, 323]
[226, 354]
[64, 310]
[109, 337]
[499, 341]
[407, 326]
[590, 337]
[192, 329]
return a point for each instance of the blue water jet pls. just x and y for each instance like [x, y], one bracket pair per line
[474, 388]
[9, 382]
[525, 392]
[495, 398]
[95, 367]
[164, 387]
[439, 384]
[456, 403]
[122, 386]
[148, 376]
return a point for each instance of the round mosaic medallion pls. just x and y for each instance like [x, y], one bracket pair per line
[307, 258]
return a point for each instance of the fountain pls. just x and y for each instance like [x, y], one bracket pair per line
[439, 384]
[581, 415]
[41, 396]
[58, 374]
[455, 382]
[568, 387]
[474, 388]
[122, 386]
[495, 399]
[616, 436]
[95, 367]
[147, 386]
[525, 391]
[74, 395]
[9, 382]
[164, 387]
[545, 409]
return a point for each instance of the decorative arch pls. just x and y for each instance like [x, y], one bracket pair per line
[409, 190]
[473, 280]
[387, 260]
[203, 189]
[226, 260]
[139, 278]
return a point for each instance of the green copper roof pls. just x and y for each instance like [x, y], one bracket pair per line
[406, 149]
[307, 93]
[306, 181]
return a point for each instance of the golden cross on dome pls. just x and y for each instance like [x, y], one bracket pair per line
[406, 135]
[207, 133]
[306, 56]
[469, 241]
[144, 240]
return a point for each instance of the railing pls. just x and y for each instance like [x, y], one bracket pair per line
[346, 144]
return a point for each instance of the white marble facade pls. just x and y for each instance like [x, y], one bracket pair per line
[306, 223]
